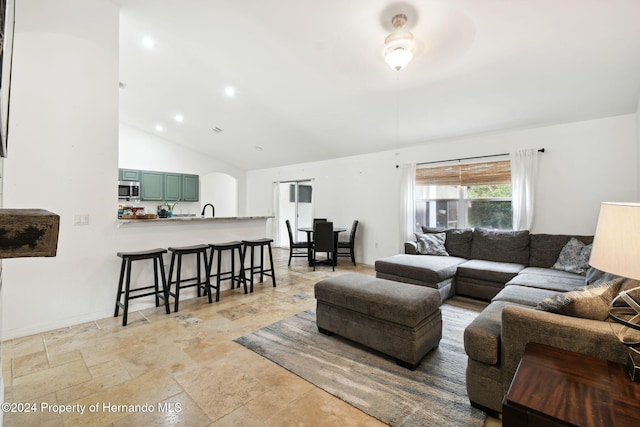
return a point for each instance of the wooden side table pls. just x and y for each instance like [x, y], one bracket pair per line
[554, 387]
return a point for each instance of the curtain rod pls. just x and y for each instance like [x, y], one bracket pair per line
[541, 150]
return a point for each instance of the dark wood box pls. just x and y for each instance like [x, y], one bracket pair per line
[28, 233]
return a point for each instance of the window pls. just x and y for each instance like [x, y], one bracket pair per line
[304, 193]
[468, 195]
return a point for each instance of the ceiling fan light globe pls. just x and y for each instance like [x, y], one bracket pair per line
[398, 58]
[398, 49]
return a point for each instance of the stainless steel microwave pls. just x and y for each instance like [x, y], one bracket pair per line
[128, 190]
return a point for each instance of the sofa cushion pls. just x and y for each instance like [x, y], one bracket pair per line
[590, 302]
[482, 336]
[544, 249]
[431, 244]
[457, 242]
[424, 268]
[524, 295]
[501, 246]
[500, 272]
[547, 278]
[574, 257]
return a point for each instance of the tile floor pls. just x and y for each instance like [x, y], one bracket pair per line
[184, 366]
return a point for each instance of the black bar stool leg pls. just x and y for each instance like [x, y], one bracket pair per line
[273, 273]
[207, 270]
[198, 288]
[175, 307]
[120, 283]
[251, 272]
[126, 294]
[155, 281]
[218, 276]
[165, 288]
[261, 263]
[243, 276]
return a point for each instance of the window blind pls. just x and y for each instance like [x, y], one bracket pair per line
[487, 173]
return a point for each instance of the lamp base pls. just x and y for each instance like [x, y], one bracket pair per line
[633, 366]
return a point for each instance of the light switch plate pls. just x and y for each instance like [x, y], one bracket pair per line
[81, 219]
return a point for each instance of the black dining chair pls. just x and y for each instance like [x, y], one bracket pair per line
[347, 249]
[316, 220]
[323, 242]
[296, 249]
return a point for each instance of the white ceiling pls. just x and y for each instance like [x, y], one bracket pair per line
[311, 83]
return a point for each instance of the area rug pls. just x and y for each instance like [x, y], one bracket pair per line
[432, 395]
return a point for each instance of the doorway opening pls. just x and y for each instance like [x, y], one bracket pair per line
[295, 203]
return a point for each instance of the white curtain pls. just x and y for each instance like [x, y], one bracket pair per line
[275, 222]
[407, 204]
[524, 170]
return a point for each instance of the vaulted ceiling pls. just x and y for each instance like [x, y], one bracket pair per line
[311, 84]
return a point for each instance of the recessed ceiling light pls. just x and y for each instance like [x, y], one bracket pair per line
[159, 128]
[229, 91]
[179, 118]
[148, 42]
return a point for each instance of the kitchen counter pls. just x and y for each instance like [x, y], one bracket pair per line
[189, 220]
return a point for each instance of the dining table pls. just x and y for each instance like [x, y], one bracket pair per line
[336, 233]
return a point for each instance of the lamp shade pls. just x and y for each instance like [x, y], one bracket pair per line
[616, 245]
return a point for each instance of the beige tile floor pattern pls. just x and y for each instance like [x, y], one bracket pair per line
[184, 366]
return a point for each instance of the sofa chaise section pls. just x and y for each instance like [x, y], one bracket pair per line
[433, 271]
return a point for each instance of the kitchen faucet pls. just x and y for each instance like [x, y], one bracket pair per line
[213, 210]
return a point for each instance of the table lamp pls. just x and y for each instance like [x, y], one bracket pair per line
[616, 250]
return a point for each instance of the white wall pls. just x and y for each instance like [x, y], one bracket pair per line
[142, 150]
[63, 155]
[221, 190]
[584, 163]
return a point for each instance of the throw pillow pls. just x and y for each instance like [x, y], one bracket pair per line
[574, 257]
[594, 277]
[587, 302]
[431, 244]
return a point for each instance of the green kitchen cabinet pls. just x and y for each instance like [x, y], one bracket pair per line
[129, 175]
[152, 185]
[167, 186]
[190, 188]
[172, 187]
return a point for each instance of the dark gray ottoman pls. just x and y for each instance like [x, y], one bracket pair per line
[398, 319]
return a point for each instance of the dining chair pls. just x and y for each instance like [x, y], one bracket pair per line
[347, 249]
[323, 242]
[296, 249]
[315, 220]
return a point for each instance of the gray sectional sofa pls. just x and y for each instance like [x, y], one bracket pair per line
[513, 271]
[479, 262]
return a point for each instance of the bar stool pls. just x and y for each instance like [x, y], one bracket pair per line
[255, 269]
[196, 250]
[227, 275]
[127, 258]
